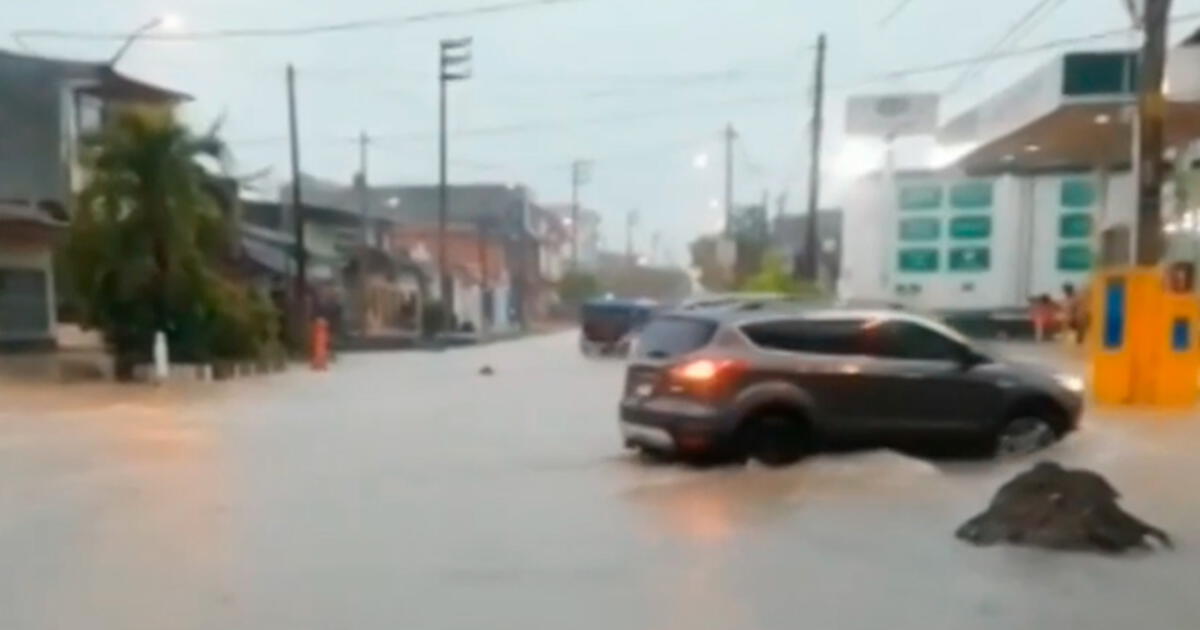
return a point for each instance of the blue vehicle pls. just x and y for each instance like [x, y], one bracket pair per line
[607, 327]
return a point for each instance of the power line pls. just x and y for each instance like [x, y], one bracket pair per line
[1016, 52]
[896, 11]
[297, 31]
[1039, 11]
[746, 100]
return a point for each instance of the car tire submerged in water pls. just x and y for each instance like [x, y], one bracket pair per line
[775, 437]
[1028, 430]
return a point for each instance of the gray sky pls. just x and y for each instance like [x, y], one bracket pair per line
[640, 86]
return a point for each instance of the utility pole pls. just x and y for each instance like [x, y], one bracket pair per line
[1148, 158]
[360, 185]
[631, 218]
[363, 193]
[579, 175]
[300, 291]
[730, 137]
[454, 54]
[814, 164]
[655, 241]
[484, 302]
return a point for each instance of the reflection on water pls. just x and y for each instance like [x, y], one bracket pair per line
[122, 514]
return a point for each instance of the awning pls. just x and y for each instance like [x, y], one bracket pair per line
[1077, 136]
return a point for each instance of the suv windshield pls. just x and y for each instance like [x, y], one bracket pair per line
[668, 337]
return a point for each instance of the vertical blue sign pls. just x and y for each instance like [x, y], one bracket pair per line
[1114, 313]
[1181, 335]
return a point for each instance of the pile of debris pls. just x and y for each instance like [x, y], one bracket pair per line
[1052, 507]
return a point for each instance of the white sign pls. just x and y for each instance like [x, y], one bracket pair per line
[892, 115]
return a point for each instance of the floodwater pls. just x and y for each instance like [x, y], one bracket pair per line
[406, 491]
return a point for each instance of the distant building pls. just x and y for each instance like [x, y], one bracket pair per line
[46, 106]
[505, 214]
[481, 284]
[1040, 192]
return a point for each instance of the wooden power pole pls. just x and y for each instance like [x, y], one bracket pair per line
[300, 291]
[1148, 161]
[811, 255]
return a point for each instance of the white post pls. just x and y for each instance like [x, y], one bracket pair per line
[890, 223]
[161, 357]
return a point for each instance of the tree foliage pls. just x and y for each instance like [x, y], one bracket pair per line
[146, 242]
[774, 277]
[576, 286]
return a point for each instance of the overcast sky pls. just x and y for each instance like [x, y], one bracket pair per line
[642, 87]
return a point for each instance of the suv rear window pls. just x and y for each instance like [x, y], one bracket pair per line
[824, 336]
[666, 337]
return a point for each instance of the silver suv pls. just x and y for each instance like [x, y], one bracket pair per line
[777, 385]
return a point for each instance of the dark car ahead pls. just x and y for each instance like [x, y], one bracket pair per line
[607, 326]
[776, 385]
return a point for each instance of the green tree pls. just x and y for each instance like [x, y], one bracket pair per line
[774, 277]
[146, 241]
[577, 286]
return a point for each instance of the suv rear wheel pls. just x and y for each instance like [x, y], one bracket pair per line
[776, 437]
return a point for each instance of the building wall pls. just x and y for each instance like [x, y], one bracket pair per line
[29, 250]
[31, 130]
[940, 241]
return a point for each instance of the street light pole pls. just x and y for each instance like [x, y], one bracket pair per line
[730, 136]
[578, 176]
[454, 53]
[168, 21]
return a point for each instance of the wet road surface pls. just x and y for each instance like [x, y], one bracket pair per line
[406, 491]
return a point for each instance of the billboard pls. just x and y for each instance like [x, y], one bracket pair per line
[892, 115]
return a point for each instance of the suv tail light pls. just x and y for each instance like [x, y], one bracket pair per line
[706, 378]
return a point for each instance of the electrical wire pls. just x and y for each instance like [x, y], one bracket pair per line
[895, 12]
[1038, 12]
[297, 31]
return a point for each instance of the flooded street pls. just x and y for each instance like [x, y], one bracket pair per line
[407, 491]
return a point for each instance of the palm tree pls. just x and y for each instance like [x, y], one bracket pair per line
[146, 229]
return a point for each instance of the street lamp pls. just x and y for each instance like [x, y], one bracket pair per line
[168, 21]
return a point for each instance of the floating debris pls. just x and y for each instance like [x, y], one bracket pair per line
[1052, 507]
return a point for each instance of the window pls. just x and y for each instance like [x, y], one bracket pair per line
[811, 336]
[971, 195]
[920, 229]
[667, 337]
[1075, 225]
[970, 259]
[1074, 258]
[89, 114]
[918, 260]
[1077, 193]
[24, 312]
[970, 227]
[1099, 73]
[907, 340]
[920, 197]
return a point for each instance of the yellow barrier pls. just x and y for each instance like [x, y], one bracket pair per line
[1143, 340]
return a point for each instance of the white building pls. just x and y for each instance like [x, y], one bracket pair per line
[1042, 190]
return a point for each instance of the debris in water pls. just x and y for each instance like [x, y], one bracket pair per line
[486, 371]
[1050, 506]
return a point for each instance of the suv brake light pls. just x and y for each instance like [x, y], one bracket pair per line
[705, 377]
